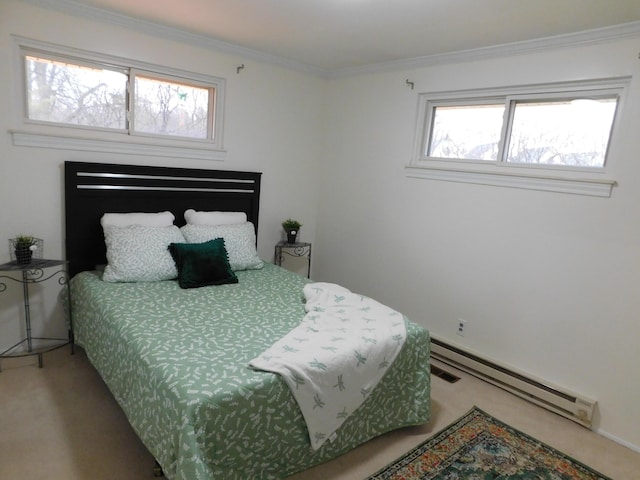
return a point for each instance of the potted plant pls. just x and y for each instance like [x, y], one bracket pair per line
[292, 228]
[24, 246]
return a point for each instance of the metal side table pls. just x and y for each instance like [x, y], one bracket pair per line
[31, 273]
[298, 249]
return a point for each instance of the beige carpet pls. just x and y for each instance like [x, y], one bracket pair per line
[61, 423]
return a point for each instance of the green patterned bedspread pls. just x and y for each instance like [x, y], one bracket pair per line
[177, 363]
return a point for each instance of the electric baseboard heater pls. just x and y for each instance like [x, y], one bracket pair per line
[569, 404]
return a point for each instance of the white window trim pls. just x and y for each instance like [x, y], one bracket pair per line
[41, 135]
[573, 180]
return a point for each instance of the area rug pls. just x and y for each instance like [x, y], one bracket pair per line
[480, 447]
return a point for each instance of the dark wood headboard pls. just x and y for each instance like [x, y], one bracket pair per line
[92, 189]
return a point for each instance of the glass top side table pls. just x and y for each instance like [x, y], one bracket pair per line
[31, 273]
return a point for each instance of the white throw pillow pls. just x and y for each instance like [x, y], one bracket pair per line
[239, 240]
[194, 217]
[140, 254]
[160, 219]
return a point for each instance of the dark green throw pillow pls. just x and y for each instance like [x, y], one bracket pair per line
[202, 264]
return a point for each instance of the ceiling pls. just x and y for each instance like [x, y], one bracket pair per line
[332, 35]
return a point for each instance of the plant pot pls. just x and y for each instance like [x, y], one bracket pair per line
[23, 255]
[292, 235]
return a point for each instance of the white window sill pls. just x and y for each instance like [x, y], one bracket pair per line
[159, 148]
[516, 178]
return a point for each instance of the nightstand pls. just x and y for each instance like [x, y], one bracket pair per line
[298, 249]
[32, 273]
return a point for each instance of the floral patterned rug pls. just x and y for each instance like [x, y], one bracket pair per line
[480, 447]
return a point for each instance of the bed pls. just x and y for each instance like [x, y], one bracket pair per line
[176, 359]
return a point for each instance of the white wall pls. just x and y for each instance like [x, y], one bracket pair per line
[274, 124]
[547, 282]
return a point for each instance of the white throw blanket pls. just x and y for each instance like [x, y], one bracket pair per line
[336, 356]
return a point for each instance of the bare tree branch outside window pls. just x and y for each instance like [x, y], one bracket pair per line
[170, 108]
[73, 94]
[64, 92]
[568, 132]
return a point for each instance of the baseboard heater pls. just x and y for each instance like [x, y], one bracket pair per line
[568, 404]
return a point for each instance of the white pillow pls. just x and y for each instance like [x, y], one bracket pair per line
[193, 217]
[239, 240]
[137, 253]
[160, 219]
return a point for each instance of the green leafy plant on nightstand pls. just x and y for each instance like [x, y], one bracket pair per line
[292, 228]
[24, 246]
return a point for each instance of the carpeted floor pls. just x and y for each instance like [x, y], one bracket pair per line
[61, 423]
[480, 446]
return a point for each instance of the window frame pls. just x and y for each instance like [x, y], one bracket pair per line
[211, 113]
[559, 178]
[432, 105]
[38, 133]
[80, 62]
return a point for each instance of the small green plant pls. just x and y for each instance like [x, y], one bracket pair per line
[24, 248]
[24, 241]
[290, 224]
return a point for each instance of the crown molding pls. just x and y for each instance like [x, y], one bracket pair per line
[71, 7]
[586, 37]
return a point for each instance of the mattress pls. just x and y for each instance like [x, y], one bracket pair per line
[176, 361]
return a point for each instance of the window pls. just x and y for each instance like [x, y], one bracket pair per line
[550, 132]
[165, 107]
[92, 95]
[573, 132]
[92, 101]
[466, 131]
[63, 92]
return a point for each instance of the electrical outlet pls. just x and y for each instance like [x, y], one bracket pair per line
[462, 324]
